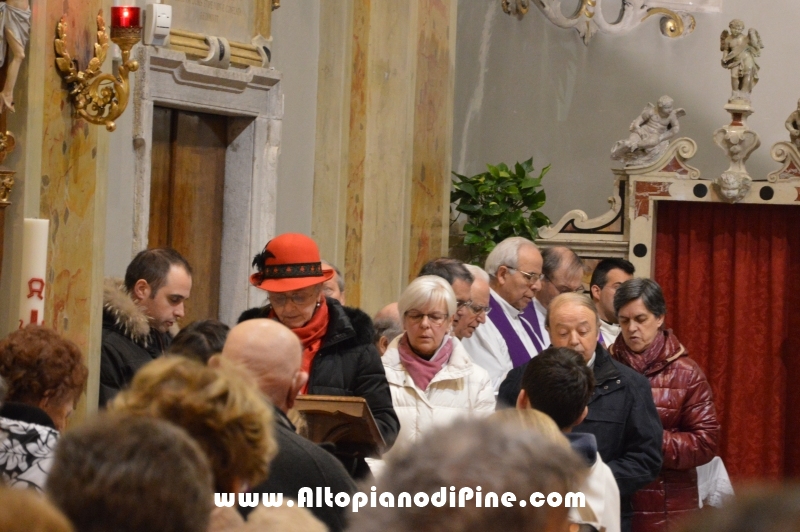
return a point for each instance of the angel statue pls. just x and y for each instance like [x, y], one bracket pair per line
[793, 126]
[650, 134]
[15, 29]
[739, 52]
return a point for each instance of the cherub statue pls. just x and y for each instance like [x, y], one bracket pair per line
[15, 29]
[739, 52]
[650, 134]
[793, 125]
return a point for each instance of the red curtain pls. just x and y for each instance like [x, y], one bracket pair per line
[731, 278]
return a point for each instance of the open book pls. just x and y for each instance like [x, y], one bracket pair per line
[346, 422]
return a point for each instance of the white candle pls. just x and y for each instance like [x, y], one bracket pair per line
[35, 235]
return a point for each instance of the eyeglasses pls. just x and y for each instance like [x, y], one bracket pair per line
[565, 289]
[477, 309]
[434, 318]
[531, 277]
[461, 304]
[300, 300]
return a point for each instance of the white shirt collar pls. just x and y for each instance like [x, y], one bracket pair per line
[507, 308]
[591, 360]
[540, 309]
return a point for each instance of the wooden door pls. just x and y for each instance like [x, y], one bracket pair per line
[186, 193]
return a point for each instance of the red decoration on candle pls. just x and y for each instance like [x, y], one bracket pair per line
[36, 288]
[125, 17]
[34, 319]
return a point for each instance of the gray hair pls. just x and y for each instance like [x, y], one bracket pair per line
[339, 276]
[558, 257]
[498, 456]
[477, 272]
[506, 253]
[647, 290]
[570, 297]
[425, 290]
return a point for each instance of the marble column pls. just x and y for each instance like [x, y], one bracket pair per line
[384, 141]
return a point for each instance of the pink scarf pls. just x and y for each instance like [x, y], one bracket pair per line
[423, 371]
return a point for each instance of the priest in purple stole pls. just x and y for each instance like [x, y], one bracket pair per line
[507, 340]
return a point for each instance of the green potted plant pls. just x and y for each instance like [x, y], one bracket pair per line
[499, 203]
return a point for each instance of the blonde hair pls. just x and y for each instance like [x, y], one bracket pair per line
[533, 419]
[218, 407]
[282, 519]
[27, 511]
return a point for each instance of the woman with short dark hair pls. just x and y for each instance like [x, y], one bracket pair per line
[683, 398]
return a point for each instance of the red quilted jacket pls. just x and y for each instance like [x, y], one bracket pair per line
[691, 431]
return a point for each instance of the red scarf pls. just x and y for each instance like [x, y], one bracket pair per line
[664, 349]
[423, 371]
[310, 335]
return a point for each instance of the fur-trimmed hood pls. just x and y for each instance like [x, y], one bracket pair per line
[125, 315]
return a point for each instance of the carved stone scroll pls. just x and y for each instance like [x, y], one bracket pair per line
[788, 154]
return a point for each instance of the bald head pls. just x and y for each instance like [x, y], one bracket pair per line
[271, 353]
[389, 312]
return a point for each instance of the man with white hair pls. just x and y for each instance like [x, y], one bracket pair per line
[271, 353]
[507, 340]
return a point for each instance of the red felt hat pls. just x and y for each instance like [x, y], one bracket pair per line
[289, 262]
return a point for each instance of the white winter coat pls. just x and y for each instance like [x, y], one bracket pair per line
[460, 389]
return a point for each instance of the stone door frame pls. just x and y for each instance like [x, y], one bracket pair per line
[253, 99]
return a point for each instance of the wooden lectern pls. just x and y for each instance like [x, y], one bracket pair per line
[346, 422]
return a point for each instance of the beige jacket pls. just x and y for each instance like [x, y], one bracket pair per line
[460, 389]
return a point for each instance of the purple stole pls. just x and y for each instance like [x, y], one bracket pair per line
[519, 354]
[601, 339]
[529, 313]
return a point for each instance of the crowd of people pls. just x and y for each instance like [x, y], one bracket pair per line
[501, 382]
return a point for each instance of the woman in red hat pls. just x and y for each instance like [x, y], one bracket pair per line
[338, 352]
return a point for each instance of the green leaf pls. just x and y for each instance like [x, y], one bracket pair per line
[469, 189]
[528, 165]
[466, 208]
[473, 239]
[544, 171]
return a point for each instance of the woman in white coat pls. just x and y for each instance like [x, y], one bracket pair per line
[432, 378]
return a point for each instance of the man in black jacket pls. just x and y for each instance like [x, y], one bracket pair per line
[271, 353]
[138, 313]
[622, 415]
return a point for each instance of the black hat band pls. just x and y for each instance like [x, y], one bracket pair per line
[288, 271]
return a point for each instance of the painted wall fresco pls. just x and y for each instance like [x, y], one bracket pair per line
[69, 191]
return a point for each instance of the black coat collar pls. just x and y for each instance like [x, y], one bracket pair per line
[604, 368]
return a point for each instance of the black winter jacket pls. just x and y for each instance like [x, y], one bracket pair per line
[128, 341]
[303, 464]
[623, 418]
[348, 364]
